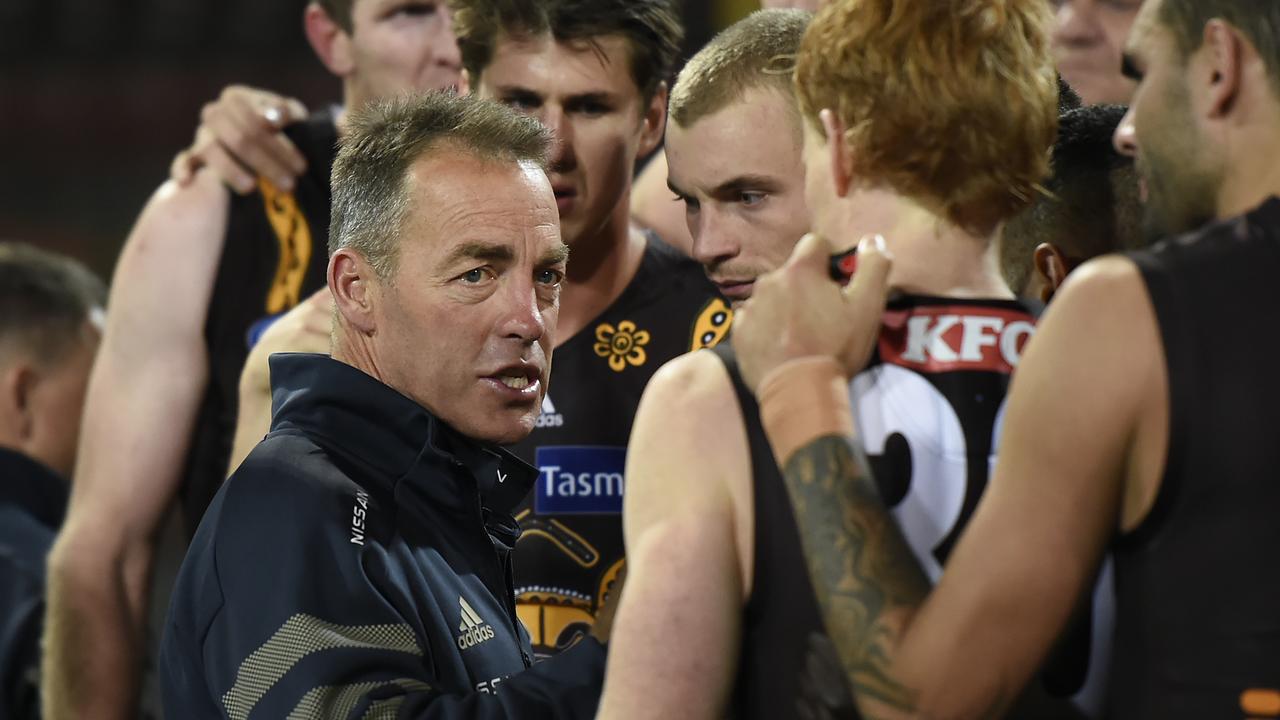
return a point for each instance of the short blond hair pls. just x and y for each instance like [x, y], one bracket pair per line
[756, 52]
[952, 103]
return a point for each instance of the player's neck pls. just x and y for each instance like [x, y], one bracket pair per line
[601, 265]
[934, 257]
[1251, 177]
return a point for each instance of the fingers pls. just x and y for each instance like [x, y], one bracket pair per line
[813, 251]
[871, 282]
[865, 299]
[183, 168]
[226, 167]
[243, 129]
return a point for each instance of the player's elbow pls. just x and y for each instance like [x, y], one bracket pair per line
[81, 562]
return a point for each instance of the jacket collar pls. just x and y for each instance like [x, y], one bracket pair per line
[33, 487]
[364, 418]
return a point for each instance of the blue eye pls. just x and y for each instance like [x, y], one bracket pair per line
[473, 276]
[751, 199]
[550, 277]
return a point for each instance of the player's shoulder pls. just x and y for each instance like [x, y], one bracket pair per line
[689, 396]
[187, 203]
[1101, 322]
[1110, 281]
[180, 225]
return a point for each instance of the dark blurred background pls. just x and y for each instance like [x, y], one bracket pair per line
[96, 97]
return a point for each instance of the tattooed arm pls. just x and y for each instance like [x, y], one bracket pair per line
[864, 573]
[1083, 440]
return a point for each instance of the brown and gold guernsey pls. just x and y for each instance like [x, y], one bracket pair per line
[275, 254]
[571, 549]
[1198, 581]
[928, 409]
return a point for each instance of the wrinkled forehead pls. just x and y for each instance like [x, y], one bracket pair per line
[456, 196]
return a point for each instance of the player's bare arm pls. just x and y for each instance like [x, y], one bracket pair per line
[141, 403]
[687, 523]
[306, 329]
[1083, 445]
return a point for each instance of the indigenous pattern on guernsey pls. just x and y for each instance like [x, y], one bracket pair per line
[571, 552]
[274, 256]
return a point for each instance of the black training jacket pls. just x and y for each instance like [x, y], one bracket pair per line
[357, 565]
[32, 502]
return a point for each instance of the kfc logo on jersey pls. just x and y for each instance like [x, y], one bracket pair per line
[948, 338]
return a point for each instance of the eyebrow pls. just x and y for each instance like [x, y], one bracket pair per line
[595, 96]
[516, 91]
[489, 252]
[745, 182]
[599, 96]
[555, 256]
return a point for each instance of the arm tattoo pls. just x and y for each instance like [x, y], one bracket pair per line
[860, 565]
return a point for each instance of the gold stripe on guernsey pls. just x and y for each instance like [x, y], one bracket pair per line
[300, 636]
[339, 701]
[294, 237]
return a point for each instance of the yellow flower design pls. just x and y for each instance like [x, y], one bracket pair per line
[623, 345]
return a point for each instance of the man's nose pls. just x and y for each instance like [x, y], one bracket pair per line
[713, 241]
[522, 314]
[1125, 139]
[557, 122]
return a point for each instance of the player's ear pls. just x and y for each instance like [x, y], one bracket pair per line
[1223, 48]
[355, 290]
[16, 413]
[331, 43]
[841, 165]
[655, 122]
[1051, 266]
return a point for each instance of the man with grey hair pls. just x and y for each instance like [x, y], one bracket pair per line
[357, 563]
[50, 317]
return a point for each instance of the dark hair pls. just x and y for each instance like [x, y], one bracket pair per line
[338, 11]
[385, 138]
[45, 299]
[1092, 207]
[1258, 20]
[652, 29]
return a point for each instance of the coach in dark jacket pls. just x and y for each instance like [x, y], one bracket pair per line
[357, 564]
[50, 325]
